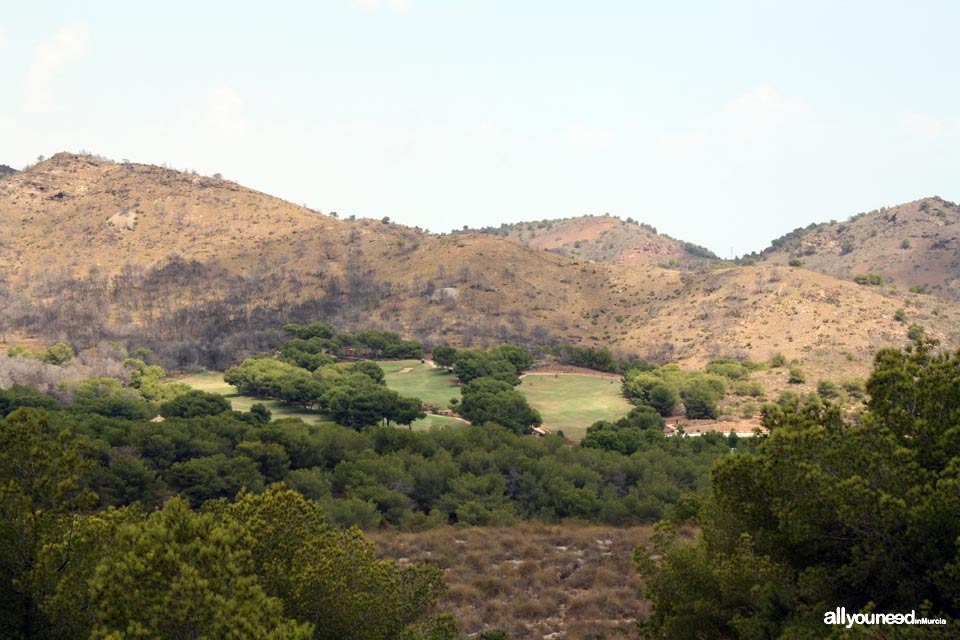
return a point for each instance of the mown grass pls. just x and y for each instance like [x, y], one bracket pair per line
[567, 402]
[212, 382]
[433, 385]
[571, 402]
[532, 579]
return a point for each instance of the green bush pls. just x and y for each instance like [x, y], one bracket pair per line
[828, 389]
[874, 279]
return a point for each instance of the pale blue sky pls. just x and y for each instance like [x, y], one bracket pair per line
[723, 123]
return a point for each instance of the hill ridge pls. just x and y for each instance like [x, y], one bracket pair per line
[915, 244]
[204, 270]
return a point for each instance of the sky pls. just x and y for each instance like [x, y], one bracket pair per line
[727, 124]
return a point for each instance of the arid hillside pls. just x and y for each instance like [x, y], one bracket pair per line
[93, 249]
[916, 244]
[607, 238]
[204, 271]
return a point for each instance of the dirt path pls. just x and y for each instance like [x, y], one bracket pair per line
[571, 371]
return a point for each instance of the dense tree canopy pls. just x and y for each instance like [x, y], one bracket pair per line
[863, 515]
[488, 399]
[265, 566]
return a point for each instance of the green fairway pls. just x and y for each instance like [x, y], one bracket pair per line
[212, 382]
[571, 403]
[413, 379]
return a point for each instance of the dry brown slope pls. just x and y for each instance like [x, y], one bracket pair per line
[73, 212]
[605, 238]
[913, 244]
[85, 238]
[87, 219]
[831, 326]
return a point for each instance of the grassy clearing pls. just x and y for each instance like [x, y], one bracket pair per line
[533, 580]
[571, 402]
[419, 380]
[212, 382]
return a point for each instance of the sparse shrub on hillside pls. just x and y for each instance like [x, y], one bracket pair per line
[874, 279]
[748, 388]
[592, 358]
[795, 262]
[918, 288]
[828, 389]
[900, 315]
[778, 360]
[855, 388]
[728, 368]
[697, 251]
[797, 376]
[915, 332]
[748, 410]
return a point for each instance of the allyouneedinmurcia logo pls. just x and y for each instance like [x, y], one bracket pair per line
[840, 617]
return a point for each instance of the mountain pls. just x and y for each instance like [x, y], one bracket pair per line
[913, 245]
[6, 171]
[93, 249]
[607, 238]
[203, 271]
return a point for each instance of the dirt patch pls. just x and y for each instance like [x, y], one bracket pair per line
[123, 220]
[576, 371]
[405, 370]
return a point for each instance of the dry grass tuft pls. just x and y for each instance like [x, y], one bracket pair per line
[534, 580]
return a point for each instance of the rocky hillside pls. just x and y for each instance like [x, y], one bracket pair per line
[203, 271]
[911, 246]
[607, 238]
[94, 249]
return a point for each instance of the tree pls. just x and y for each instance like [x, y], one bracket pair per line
[327, 577]
[828, 514]
[519, 357]
[651, 389]
[490, 400]
[24, 396]
[195, 403]
[58, 354]
[444, 356]
[209, 477]
[470, 365]
[106, 397]
[700, 399]
[663, 398]
[406, 410]
[370, 369]
[181, 574]
[42, 472]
